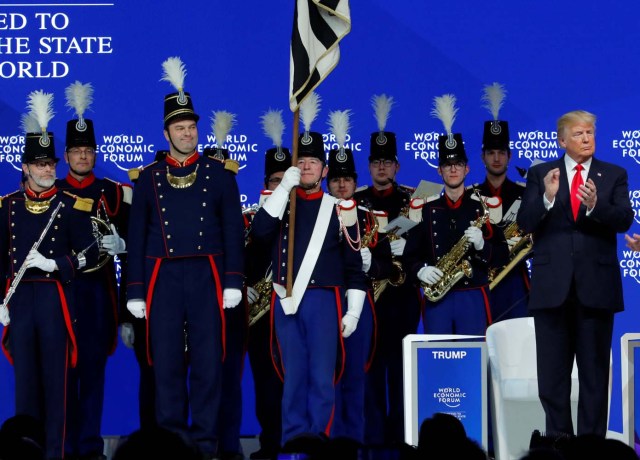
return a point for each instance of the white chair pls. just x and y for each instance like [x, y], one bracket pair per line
[513, 387]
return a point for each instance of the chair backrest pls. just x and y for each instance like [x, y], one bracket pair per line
[511, 348]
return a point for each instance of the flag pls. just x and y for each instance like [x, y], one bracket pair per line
[318, 27]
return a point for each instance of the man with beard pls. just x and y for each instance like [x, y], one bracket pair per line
[185, 266]
[95, 290]
[398, 307]
[308, 322]
[45, 239]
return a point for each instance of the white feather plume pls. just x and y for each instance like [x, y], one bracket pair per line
[79, 97]
[381, 104]
[29, 124]
[493, 97]
[340, 125]
[444, 109]
[309, 109]
[221, 124]
[40, 105]
[273, 126]
[174, 72]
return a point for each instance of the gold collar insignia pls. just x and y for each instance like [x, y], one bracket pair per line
[182, 182]
[37, 207]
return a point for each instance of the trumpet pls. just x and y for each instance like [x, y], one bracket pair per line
[23, 267]
[517, 253]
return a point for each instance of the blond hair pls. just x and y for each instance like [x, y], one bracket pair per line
[571, 118]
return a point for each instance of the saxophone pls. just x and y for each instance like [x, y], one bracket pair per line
[517, 252]
[452, 265]
[399, 276]
[262, 305]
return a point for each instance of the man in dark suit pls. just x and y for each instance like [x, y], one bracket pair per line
[576, 285]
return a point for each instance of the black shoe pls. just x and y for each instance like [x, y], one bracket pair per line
[264, 454]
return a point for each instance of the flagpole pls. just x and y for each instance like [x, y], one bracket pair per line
[292, 203]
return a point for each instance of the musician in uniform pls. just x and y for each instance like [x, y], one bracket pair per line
[185, 266]
[349, 418]
[508, 297]
[447, 219]
[267, 383]
[309, 321]
[46, 239]
[398, 307]
[96, 288]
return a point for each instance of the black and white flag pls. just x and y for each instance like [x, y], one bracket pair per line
[318, 27]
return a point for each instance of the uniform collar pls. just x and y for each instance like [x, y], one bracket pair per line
[309, 197]
[87, 181]
[451, 204]
[46, 194]
[189, 160]
[383, 193]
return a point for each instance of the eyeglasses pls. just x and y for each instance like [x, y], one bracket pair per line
[457, 165]
[385, 163]
[275, 180]
[44, 164]
[80, 151]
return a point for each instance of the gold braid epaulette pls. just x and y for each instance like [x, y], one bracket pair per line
[81, 204]
[134, 173]
[7, 195]
[232, 165]
[228, 163]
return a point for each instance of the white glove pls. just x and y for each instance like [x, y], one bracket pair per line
[37, 260]
[137, 307]
[291, 178]
[113, 243]
[231, 297]
[365, 253]
[252, 295]
[474, 235]
[127, 334]
[513, 241]
[278, 200]
[355, 301]
[4, 315]
[397, 246]
[430, 274]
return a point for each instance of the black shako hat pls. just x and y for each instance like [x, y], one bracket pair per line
[495, 135]
[37, 147]
[383, 146]
[451, 149]
[80, 133]
[341, 164]
[276, 159]
[178, 106]
[310, 144]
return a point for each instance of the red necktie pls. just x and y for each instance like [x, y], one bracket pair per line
[575, 187]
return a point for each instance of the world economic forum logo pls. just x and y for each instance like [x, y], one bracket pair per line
[630, 260]
[126, 151]
[11, 150]
[424, 147]
[451, 397]
[628, 144]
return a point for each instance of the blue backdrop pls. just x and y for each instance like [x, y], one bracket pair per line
[552, 57]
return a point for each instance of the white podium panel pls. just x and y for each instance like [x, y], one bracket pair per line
[445, 373]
